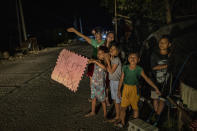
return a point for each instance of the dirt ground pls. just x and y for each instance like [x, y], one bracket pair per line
[31, 101]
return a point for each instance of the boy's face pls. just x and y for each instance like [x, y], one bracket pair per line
[133, 59]
[113, 51]
[164, 44]
[93, 32]
[100, 55]
[110, 37]
[98, 36]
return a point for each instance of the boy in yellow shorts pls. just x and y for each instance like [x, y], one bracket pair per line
[130, 93]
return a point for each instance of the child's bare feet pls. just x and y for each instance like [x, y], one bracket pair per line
[90, 114]
[105, 119]
[113, 120]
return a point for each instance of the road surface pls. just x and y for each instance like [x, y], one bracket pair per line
[31, 101]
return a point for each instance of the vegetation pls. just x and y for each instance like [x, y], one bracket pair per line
[155, 13]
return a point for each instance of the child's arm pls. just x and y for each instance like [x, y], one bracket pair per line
[107, 59]
[148, 80]
[79, 34]
[159, 67]
[154, 64]
[112, 69]
[120, 84]
[98, 63]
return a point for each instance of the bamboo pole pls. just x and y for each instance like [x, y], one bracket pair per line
[19, 25]
[122, 16]
[168, 12]
[22, 20]
[115, 14]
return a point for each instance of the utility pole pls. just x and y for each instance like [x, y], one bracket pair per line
[116, 24]
[22, 20]
[19, 25]
[168, 12]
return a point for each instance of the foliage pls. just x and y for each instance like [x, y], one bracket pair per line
[145, 9]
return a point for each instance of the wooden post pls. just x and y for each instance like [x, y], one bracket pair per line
[180, 123]
[169, 117]
[22, 20]
[19, 25]
[168, 12]
[116, 24]
[182, 114]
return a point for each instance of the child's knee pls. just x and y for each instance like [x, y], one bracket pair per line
[103, 102]
[123, 109]
[155, 100]
[135, 110]
[94, 99]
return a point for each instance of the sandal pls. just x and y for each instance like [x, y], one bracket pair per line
[117, 122]
[120, 125]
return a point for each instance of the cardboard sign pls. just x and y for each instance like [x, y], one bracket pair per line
[69, 69]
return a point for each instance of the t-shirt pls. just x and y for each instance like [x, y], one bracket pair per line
[99, 76]
[162, 75]
[117, 73]
[95, 45]
[131, 76]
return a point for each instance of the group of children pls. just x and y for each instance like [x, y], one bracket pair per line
[107, 73]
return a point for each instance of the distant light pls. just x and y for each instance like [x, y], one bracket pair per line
[59, 33]
[104, 36]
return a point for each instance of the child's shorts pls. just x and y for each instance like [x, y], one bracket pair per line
[154, 95]
[130, 96]
[90, 70]
[114, 91]
[98, 92]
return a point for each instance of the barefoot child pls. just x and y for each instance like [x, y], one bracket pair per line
[108, 42]
[114, 69]
[98, 81]
[129, 80]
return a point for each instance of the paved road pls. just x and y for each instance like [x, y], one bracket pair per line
[31, 101]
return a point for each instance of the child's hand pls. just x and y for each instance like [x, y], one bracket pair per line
[119, 94]
[107, 58]
[71, 29]
[91, 61]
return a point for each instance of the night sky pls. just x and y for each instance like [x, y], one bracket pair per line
[41, 14]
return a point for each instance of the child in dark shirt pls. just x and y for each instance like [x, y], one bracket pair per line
[159, 65]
